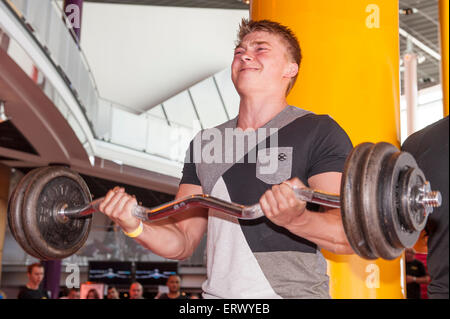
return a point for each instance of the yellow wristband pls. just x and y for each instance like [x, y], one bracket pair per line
[137, 232]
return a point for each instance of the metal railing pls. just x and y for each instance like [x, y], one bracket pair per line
[47, 22]
[108, 121]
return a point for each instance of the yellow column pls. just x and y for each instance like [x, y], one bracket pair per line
[443, 19]
[4, 188]
[350, 70]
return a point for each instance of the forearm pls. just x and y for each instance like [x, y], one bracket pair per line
[324, 229]
[423, 280]
[165, 239]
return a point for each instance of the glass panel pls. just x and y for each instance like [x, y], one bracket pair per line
[73, 65]
[230, 96]
[429, 109]
[63, 53]
[179, 109]
[159, 137]
[19, 4]
[128, 130]
[83, 88]
[92, 102]
[428, 114]
[157, 111]
[181, 137]
[37, 12]
[54, 38]
[208, 103]
[102, 121]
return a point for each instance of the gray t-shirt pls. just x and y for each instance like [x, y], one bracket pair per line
[256, 258]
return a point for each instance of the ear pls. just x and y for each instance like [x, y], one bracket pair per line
[291, 70]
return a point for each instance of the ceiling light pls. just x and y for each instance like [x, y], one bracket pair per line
[421, 58]
[427, 80]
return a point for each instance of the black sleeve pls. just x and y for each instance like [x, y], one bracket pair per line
[189, 169]
[329, 149]
[413, 144]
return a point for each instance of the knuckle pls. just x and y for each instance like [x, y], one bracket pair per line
[113, 214]
[130, 203]
[108, 210]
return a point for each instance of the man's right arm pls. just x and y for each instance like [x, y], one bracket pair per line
[175, 237]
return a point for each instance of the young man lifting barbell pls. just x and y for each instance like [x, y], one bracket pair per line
[257, 258]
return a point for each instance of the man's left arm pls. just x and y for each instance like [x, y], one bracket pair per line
[325, 228]
[422, 277]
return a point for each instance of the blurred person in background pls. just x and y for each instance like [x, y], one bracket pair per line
[35, 273]
[136, 291]
[415, 275]
[174, 285]
[429, 147]
[92, 294]
[112, 293]
[72, 293]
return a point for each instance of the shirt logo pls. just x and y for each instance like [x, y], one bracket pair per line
[282, 156]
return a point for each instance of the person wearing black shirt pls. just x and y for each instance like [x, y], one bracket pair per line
[35, 274]
[429, 147]
[173, 283]
[415, 275]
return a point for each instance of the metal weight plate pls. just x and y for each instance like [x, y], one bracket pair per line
[350, 201]
[51, 236]
[372, 201]
[399, 235]
[15, 213]
[411, 215]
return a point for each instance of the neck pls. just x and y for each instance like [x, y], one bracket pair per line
[255, 111]
[173, 294]
[32, 286]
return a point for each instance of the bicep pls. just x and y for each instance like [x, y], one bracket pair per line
[329, 182]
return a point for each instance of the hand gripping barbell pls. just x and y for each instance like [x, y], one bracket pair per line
[385, 201]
